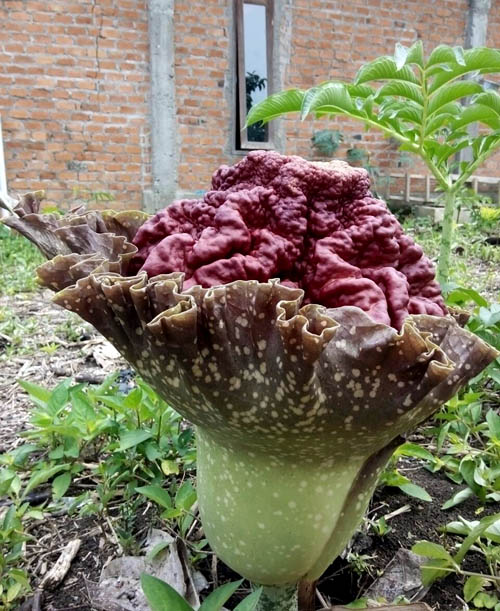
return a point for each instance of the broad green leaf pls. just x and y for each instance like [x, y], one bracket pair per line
[13, 591]
[473, 585]
[276, 105]
[416, 491]
[394, 109]
[453, 92]
[467, 468]
[161, 596]
[21, 453]
[416, 54]
[250, 602]
[457, 498]
[491, 99]
[478, 59]
[435, 569]
[475, 534]
[157, 494]
[476, 113]
[440, 55]
[59, 397]
[446, 151]
[216, 599]
[442, 118]
[39, 394]
[414, 450]
[462, 295]
[359, 603]
[384, 69]
[431, 550]
[61, 484]
[308, 99]
[41, 476]
[333, 98]
[401, 89]
[185, 496]
[159, 547]
[493, 420]
[464, 527]
[9, 518]
[20, 576]
[130, 439]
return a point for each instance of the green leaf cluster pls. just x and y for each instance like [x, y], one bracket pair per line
[162, 597]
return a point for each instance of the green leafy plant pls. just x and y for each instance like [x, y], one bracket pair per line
[326, 141]
[14, 581]
[480, 537]
[424, 103]
[162, 597]
[123, 442]
[392, 477]
[467, 431]
[18, 259]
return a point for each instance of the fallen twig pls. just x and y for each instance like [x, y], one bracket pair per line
[62, 565]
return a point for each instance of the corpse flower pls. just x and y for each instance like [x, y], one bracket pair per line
[287, 316]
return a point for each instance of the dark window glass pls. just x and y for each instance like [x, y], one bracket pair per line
[254, 28]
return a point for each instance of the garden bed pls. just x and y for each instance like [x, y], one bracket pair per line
[45, 344]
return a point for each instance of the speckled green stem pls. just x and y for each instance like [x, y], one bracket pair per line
[282, 598]
[275, 519]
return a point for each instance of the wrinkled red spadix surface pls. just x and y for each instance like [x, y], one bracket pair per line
[313, 225]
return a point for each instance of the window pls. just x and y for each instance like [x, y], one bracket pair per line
[254, 21]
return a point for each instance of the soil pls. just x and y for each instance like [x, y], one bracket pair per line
[421, 521]
[87, 356]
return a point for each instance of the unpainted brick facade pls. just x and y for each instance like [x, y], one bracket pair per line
[75, 87]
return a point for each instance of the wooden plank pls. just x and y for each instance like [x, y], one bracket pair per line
[407, 187]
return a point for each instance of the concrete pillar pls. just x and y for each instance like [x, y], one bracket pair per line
[477, 23]
[164, 157]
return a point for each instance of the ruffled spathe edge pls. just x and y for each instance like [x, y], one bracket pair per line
[247, 360]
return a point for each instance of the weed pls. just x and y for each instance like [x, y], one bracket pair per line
[18, 260]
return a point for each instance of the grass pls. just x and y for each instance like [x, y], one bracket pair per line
[18, 260]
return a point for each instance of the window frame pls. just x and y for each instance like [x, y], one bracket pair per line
[244, 144]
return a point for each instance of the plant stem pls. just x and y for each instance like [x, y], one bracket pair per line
[278, 598]
[443, 270]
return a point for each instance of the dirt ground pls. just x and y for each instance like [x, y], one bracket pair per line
[75, 349]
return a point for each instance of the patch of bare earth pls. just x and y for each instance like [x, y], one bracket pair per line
[49, 344]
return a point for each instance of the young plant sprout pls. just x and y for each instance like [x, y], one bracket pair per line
[286, 315]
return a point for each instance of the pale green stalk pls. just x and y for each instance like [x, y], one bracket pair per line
[443, 270]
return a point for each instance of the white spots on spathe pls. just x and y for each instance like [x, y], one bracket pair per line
[292, 504]
[261, 525]
[338, 376]
[234, 383]
[262, 344]
[407, 402]
[356, 373]
[391, 377]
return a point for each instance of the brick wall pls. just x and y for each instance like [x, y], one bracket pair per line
[73, 97]
[74, 85]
